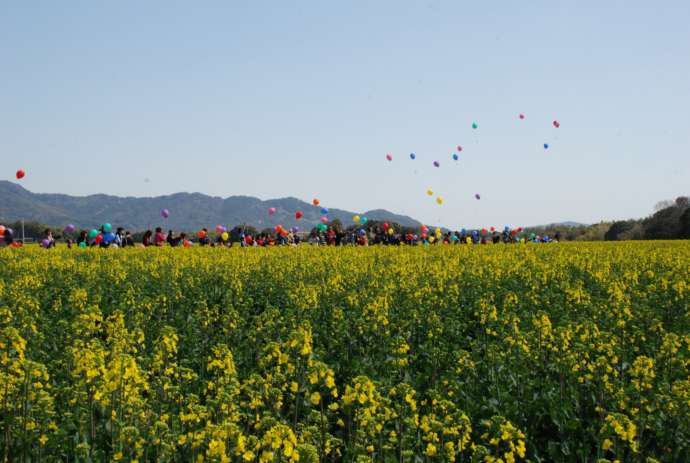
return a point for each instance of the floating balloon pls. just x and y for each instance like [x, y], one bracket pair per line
[431, 239]
[459, 148]
[439, 200]
[69, 228]
[438, 231]
[322, 227]
[298, 215]
[437, 164]
[521, 116]
[315, 202]
[165, 213]
[474, 125]
[546, 146]
[355, 218]
[363, 220]
[187, 244]
[295, 229]
[107, 228]
[391, 231]
[477, 196]
[82, 244]
[201, 234]
[220, 229]
[389, 157]
[20, 174]
[386, 226]
[99, 239]
[556, 124]
[225, 236]
[413, 156]
[454, 237]
[493, 229]
[483, 231]
[362, 232]
[424, 228]
[93, 233]
[45, 243]
[324, 211]
[430, 192]
[455, 157]
[2, 230]
[324, 220]
[271, 210]
[109, 238]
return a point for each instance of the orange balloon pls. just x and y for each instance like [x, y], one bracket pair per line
[316, 202]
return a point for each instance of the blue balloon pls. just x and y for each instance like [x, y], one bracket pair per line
[362, 232]
[455, 157]
[475, 232]
[109, 238]
[546, 146]
[324, 211]
[413, 156]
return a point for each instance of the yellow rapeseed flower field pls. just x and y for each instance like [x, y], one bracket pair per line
[568, 352]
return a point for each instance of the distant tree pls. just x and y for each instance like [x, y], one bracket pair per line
[685, 224]
[663, 224]
[634, 233]
[617, 229]
[666, 203]
[682, 202]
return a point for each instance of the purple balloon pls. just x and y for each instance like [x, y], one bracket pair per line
[477, 196]
[295, 229]
[69, 228]
[437, 164]
[45, 243]
[165, 213]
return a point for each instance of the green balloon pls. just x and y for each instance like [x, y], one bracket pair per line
[363, 220]
[474, 125]
[322, 227]
[93, 234]
[82, 244]
[107, 227]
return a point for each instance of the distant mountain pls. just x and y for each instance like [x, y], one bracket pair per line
[188, 211]
[561, 224]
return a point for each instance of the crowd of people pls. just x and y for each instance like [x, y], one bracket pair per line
[378, 234]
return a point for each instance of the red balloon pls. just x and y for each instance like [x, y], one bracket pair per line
[20, 174]
[99, 238]
[425, 228]
[201, 234]
[385, 226]
[493, 229]
[298, 215]
[483, 231]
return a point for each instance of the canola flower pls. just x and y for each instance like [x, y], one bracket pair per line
[571, 352]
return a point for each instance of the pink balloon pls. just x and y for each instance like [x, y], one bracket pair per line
[220, 229]
[522, 116]
[556, 124]
[324, 220]
[271, 210]
[459, 148]
[389, 157]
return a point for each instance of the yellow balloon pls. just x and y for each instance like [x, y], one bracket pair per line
[430, 192]
[438, 231]
[355, 218]
[225, 236]
[390, 231]
[439, 200]
[431, 239]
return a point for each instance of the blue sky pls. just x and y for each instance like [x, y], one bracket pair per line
[305, 99]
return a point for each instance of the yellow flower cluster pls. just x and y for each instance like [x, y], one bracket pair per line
[570, 352]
